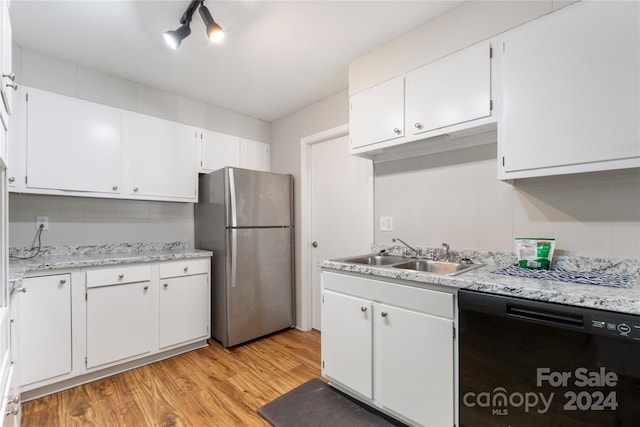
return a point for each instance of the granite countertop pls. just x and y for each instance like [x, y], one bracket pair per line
[624, 300]
[67, 257]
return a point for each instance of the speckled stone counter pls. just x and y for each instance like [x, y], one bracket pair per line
[69, 257]
[625, 300]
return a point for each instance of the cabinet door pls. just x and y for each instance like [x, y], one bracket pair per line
[451, 90]
[118, 322]
[17, 143]
[162, 158]
[570, 85]
[416, 364]
[11, 400]
[44, 328]
[347, 351]
[7, 78]
[73, 144]
[218, 150]
[184, 309]
[377, 114]
[255, 155]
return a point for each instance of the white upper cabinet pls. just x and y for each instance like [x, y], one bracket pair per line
[17, 143]
[62, 145]
[443, 105]
[452, 90]
[218, 150]
[255, 155]
[377, 114]
[7, 78]
[162, 158]
[73, 144]
[569, 86]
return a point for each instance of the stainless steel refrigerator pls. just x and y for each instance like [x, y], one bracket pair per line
[246, 218]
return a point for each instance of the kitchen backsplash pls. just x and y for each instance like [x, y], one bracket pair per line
[500, 259]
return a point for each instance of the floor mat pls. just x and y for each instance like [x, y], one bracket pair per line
[316, 404]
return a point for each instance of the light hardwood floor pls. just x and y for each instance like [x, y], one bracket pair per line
[213, 386]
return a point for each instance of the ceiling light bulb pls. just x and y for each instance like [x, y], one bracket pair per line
[217, 35]
[214, 31]
[174, 38]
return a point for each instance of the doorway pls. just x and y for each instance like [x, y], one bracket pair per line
[337, 210]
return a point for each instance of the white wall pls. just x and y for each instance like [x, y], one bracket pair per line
[286, 134]
[79, 220]
[460, 27]
[455, 197]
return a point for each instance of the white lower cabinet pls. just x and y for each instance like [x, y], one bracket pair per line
[184, 302]
[391, 345]
[118, 322]
[347, 341]
[112, 318]
[416, 365]
[44, 328]
[11, 407]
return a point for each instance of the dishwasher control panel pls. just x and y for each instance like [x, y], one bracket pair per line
[618, 326]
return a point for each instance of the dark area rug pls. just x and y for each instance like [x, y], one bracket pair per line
[316, 404]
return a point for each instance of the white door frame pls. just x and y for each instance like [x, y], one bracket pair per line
[306, 273]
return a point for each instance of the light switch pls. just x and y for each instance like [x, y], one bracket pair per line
[386, 223]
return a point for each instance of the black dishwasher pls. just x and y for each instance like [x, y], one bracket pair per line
[529, 363]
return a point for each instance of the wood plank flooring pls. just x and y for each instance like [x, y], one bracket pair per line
[213, 386]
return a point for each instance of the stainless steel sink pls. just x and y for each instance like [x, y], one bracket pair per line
[437, 267]
[374, 259]
[405, 263]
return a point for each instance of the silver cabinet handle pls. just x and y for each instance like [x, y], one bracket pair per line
[121, 276]
[363, 309]
[396, 130]
[166, 285]
[135, 189]
[418, 125]
[63, 281]
[115, 188]
[314, 244]
[22, 289]
[384, 314]
[12, 179]
[13, 85]
[146, 288]
[185, 269]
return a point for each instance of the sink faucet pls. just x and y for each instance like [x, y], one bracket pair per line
[414, 250]
[447, 253]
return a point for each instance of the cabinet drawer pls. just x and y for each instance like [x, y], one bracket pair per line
[118, 275]
[185, 267]
[436, 303]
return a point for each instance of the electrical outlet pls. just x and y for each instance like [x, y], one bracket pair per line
[386, 223]
[42, 220]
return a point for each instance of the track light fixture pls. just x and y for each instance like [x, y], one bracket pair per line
[214, 31]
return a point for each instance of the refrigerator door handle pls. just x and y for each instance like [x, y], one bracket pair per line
[232, 198]
[234, 256]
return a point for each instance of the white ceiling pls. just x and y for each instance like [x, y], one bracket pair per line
[277, 57]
